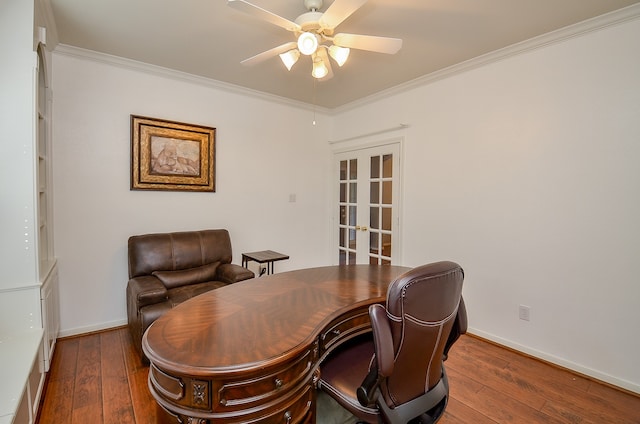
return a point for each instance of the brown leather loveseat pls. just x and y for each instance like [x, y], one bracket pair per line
[166, 269]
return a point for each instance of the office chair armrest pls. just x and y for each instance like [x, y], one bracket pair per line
[459, 328]
[382, 340]
[461, 318]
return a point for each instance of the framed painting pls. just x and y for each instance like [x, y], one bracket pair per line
[168, 155]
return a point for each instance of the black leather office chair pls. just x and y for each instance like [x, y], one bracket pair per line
[397, 376]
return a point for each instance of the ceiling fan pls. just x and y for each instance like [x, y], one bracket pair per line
[314, 32]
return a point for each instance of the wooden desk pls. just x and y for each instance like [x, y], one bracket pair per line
[250, 352]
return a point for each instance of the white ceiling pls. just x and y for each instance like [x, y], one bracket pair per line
[208, 38]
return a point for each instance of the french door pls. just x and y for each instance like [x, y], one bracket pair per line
[367, 205]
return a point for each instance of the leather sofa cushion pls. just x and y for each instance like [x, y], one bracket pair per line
[172, 279]
[184, 293]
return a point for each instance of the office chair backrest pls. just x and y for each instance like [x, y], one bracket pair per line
[422, 306]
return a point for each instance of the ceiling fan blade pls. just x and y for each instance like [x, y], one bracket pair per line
[338, 12]
[368, 42]
[261, 57]
[258, 12]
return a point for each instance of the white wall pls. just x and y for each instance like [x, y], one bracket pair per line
[265, 151]
[525, 171]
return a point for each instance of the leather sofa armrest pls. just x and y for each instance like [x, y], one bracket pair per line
[146, 290]
[232, 273]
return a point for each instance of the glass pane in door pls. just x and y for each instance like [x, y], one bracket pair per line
[348, 213]
[380, 208]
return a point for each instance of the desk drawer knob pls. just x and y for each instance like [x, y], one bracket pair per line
[336, 331]
[287, 417]
[278, 383]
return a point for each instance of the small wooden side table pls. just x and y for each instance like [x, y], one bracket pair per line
[263, 256]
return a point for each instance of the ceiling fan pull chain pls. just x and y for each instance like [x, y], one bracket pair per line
[315, 85]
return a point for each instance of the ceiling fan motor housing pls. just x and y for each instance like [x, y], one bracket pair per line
[309, 21]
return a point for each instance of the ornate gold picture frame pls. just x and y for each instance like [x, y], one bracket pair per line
[168, 155]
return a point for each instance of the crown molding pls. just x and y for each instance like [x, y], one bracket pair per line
[598, 23]
[130, 64]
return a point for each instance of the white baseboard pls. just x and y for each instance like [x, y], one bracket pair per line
[589, 372]
[92, 328]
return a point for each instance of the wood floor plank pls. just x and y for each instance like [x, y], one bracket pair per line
[498, 377]
[482, 353]
[87, 396]
[145, 407]
[503, 408]
[619, 400]
[65, 360]
[563, 397]
[524, 362]
[133, 360]
[116, 398]
[60, 384]
[459, 413]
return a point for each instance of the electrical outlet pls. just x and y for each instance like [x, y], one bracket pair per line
[525, 313]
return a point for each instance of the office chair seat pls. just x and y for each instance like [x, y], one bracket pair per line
[342, 383]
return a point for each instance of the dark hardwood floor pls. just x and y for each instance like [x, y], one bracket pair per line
[99, 378]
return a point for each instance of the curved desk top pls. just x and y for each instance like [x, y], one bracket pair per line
[254, 326]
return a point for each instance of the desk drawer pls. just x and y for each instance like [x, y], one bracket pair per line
[240, 394]
[342, 329]
[298, 409]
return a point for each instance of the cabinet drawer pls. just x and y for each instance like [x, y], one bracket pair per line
[235, 394]
[358, 322]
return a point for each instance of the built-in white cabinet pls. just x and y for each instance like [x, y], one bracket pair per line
[29, 303]
[47, 270]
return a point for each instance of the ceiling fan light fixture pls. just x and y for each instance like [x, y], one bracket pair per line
[307, 43]
[320, 69]
[339, 54]
[290, 58]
